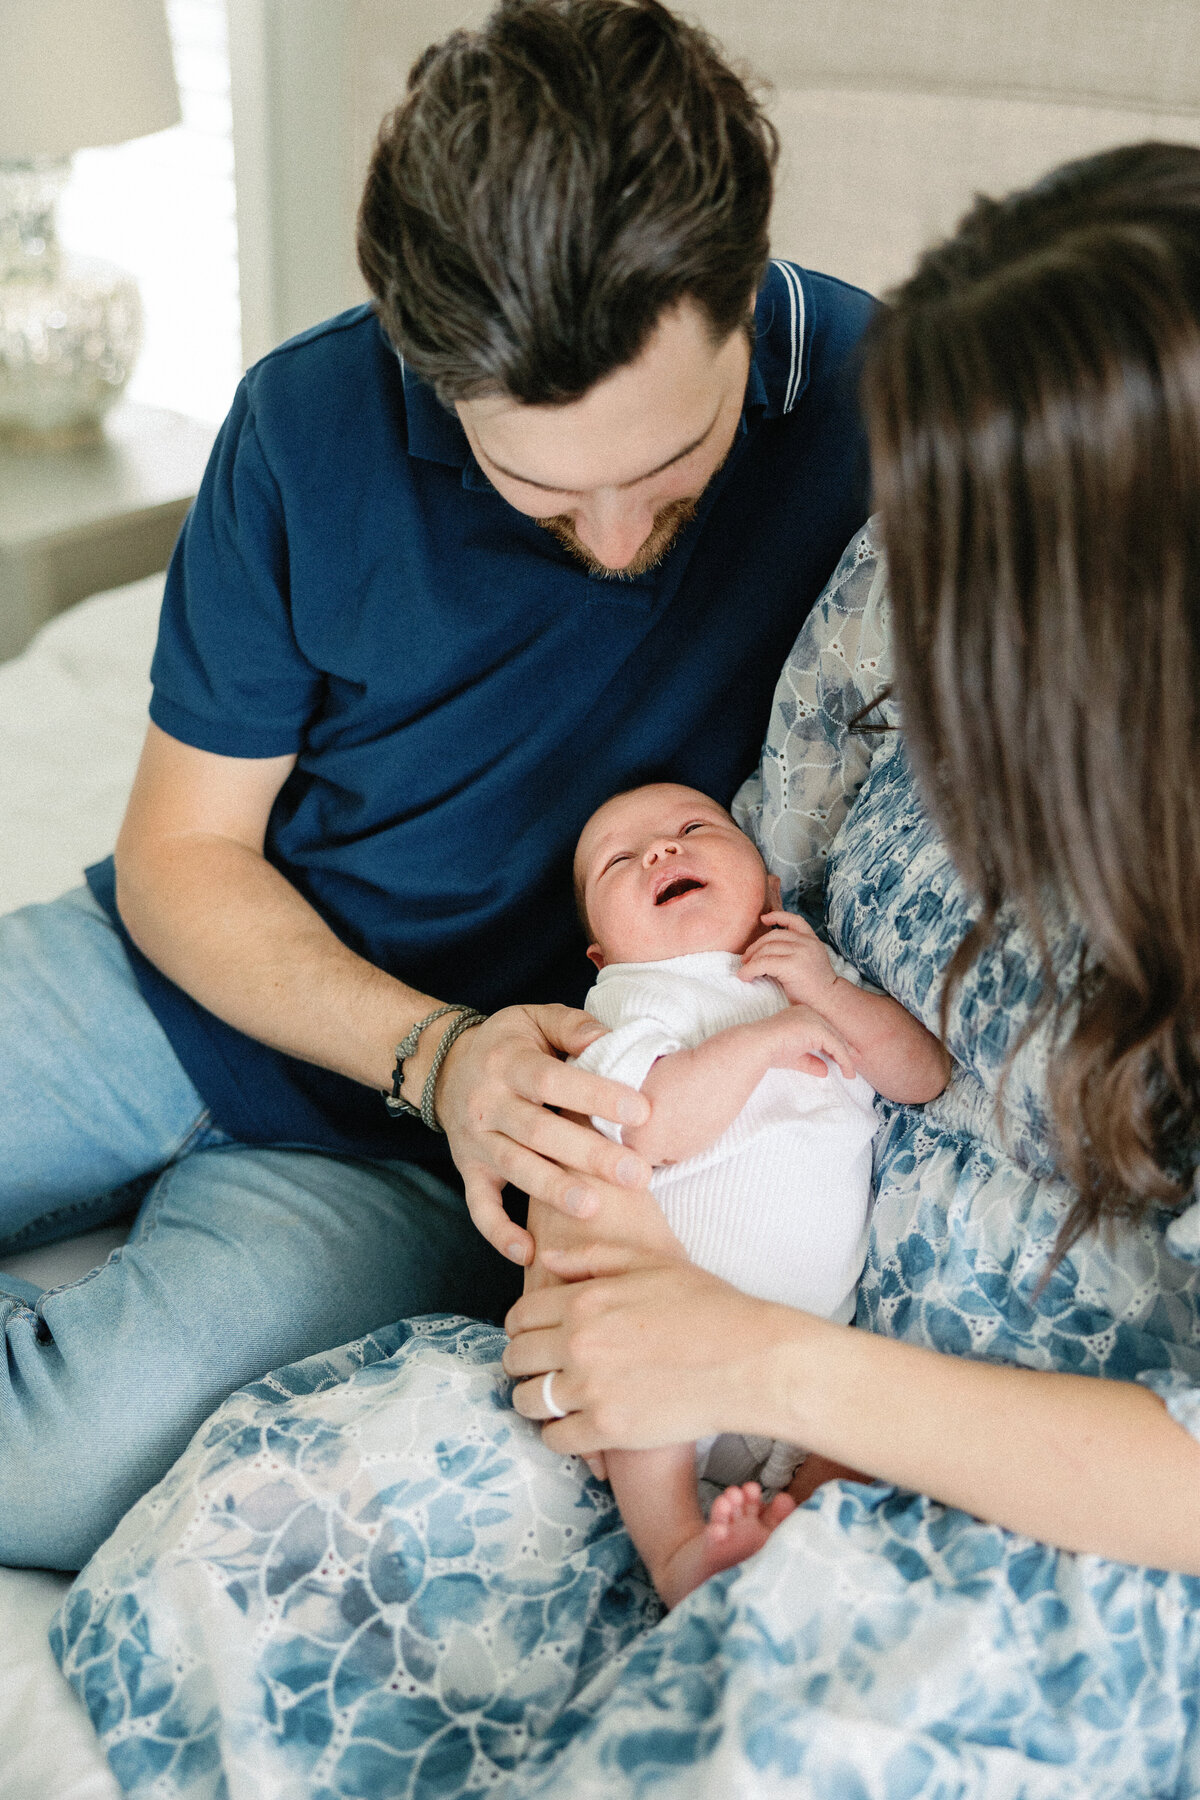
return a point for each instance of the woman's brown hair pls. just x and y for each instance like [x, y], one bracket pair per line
[1033, 403]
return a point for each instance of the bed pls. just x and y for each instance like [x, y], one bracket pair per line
[892, 112]
[72, 717]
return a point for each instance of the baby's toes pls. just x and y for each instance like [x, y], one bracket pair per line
[722, 1509]
[736, 1502]
[778, 1510]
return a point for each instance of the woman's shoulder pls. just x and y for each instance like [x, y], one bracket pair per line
[832, 711]
[843, 654]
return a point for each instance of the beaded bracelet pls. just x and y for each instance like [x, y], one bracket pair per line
[395, 1102]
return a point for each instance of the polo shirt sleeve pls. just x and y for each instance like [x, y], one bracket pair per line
[228, 674]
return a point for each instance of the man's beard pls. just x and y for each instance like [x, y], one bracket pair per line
[668, 523]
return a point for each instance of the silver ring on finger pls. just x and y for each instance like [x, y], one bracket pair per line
[548, 1401]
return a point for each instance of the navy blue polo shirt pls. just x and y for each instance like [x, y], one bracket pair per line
[459, 692]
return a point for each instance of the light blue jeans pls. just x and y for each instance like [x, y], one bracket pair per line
[241, 1259]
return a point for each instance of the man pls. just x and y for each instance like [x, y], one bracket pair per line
[541, 524]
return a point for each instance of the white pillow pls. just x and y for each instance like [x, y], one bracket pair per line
[72, 719]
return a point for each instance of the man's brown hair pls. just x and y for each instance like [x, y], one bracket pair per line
[554, 182]
[1033, 403]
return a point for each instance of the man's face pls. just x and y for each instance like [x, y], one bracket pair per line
[616, 475]
[664, 871]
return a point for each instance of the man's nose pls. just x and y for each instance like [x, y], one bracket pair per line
[614, 528]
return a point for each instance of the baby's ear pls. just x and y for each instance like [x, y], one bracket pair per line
[595, 955]
[774, 894]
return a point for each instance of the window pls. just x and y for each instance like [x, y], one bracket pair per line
[163, 207]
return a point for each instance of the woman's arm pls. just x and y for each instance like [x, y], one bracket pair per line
[658, 1353]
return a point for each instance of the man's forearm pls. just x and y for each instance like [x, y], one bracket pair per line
[234, 933]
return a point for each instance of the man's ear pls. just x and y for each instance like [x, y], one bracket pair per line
[774, 894]
[596, 955]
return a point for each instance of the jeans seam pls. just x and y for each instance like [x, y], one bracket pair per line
[67, 1287]
[147, 1214]
[199, 1124]
[36, 1227]
[151, 1206]
[12, 1245]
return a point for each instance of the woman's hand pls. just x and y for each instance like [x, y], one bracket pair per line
[645, 1351]
[631, 1227]
[494, 1099]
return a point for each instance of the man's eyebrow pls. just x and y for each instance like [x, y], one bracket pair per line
[548, 488]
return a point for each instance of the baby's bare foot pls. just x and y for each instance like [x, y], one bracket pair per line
[738, 1525]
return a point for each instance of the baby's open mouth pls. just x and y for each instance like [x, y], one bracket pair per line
[684, 884]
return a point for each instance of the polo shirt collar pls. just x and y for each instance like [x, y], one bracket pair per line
[434, 433]
[757, 399]
[784, 317]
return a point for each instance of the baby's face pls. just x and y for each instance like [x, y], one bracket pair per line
[665, 872]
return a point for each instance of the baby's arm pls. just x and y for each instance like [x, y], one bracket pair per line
[695, 1095]
[896, 1054]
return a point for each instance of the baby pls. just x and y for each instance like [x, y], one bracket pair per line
[755, 1047]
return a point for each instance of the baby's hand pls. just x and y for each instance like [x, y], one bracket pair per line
[800, 1038]
[792, 954]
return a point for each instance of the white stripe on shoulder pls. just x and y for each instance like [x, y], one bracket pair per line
[796, 296]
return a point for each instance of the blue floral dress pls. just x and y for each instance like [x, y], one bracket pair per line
[368, 1577]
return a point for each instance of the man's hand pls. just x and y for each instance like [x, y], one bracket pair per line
[495, 1096]
[792, 954]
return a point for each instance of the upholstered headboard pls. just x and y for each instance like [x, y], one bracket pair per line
[893, 112]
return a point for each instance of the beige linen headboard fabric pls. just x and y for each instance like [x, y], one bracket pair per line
[894, 113]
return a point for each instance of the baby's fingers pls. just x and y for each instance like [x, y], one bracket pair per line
[841, 1054]
[775, 948]
[787, 921]
[816, 1035]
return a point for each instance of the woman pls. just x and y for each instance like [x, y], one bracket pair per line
[423, 1599]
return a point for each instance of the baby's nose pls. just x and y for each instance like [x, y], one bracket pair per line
[664, 847]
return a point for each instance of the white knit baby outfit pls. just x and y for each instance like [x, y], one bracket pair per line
[777, 1205]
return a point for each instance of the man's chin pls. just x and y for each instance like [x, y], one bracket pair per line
[666, 528]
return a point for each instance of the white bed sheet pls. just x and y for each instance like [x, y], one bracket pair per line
[72, 718]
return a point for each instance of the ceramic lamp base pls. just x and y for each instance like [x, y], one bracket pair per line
[70, 327]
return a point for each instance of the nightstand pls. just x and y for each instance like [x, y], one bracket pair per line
[74, 522]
